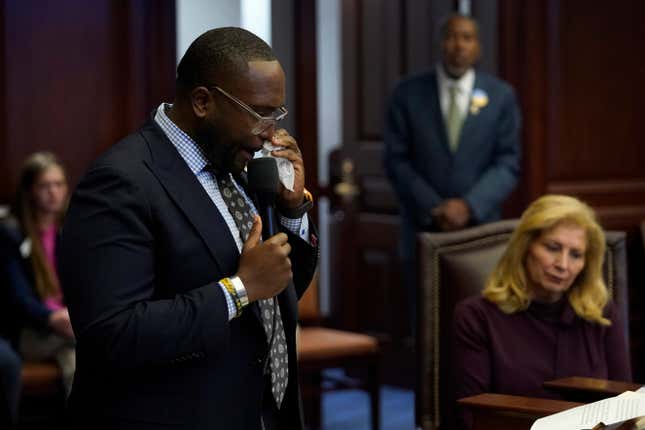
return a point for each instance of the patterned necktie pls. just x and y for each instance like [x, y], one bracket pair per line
[271, 317]
[454, 119]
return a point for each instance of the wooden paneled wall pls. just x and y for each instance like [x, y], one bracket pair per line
[76, 76]
[382, 41]
[577, 71]
[577, 68]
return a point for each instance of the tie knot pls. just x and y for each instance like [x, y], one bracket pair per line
[453, 90]
[218, 175]
[223, 177]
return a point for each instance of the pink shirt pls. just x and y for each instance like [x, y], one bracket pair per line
[48, 237]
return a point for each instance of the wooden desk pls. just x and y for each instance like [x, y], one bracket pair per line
[504, 412]
[501, 411]
[586, 390]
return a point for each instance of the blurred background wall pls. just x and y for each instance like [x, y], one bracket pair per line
[76, 76]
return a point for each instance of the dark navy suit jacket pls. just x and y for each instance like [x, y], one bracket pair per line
[142, 249]
[423, 169]
[19, 302]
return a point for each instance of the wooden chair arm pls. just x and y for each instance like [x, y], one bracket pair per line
[577, 388]
[504, 412]
[518, 404]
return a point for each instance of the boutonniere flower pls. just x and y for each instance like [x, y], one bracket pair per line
[478, 101]
[25, 248]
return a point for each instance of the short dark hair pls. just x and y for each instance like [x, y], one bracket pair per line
[221, 51]
[443, 24]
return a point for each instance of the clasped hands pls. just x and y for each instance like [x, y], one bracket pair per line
[451, 214]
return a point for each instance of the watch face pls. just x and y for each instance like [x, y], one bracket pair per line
[308, 195]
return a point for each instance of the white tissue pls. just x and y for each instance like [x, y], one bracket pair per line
[286, 173]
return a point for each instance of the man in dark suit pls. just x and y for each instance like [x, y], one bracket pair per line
[10, 323]
[452, 147]
[184, 317]
[10, 366]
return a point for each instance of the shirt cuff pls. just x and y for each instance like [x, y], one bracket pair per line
[230, 303]
[299, 226]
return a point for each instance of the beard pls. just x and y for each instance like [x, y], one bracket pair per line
[218, 148]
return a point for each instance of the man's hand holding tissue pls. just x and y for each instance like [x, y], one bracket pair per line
[290, 151]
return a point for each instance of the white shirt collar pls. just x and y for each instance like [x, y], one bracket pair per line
[465, 83]
[186, 146]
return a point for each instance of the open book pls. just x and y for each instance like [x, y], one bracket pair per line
[614, 410]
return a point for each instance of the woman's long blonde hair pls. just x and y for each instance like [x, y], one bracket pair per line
[45, 278]
[507, 286]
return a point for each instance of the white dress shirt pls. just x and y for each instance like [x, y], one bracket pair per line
[196, 161]
[464, 87]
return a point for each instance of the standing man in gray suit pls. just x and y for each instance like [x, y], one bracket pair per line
[452, 148]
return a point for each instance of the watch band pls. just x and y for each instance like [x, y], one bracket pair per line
[240, 290]
[299, 211]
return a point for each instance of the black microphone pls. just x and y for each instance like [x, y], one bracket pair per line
[264, 183]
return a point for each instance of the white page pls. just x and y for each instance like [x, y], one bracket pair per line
[608, 411]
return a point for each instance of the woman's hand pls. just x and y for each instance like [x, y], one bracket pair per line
[60, 323]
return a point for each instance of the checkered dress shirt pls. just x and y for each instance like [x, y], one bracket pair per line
[197, 163]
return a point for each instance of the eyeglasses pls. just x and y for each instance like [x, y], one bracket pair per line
[263, 122]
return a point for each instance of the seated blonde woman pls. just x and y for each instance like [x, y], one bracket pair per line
[545, 311]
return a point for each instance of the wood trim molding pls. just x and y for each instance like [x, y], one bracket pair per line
[350, 28]
[626, 217]
[591, 187]
[306, 88]
[5, 195]
[119, 65]
[616, 202]
[525, 62]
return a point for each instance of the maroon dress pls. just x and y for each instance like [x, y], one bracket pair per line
[514, 354]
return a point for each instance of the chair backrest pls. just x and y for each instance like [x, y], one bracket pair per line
[451, 267]
[309, 303]
[643, 233]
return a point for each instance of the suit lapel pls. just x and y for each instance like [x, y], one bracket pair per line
[436, 114]
[190, 197]
[184, 189]
[470, 121]
[288, 302]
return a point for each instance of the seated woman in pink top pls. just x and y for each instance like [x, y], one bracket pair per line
[545, 312]
[42, 326]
